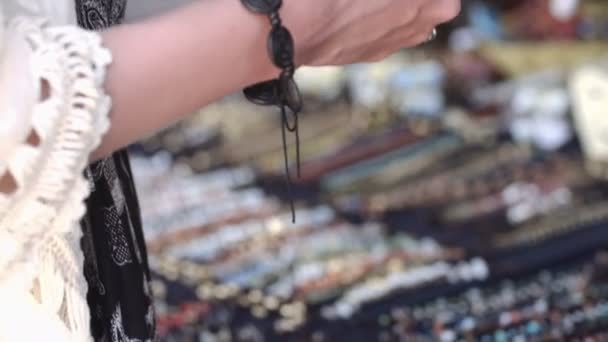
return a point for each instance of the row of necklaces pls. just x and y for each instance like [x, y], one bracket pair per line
[568, 303]
[258, 265]
[274, 269]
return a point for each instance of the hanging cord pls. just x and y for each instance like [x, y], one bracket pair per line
[285, 126]
[282, 91]
[290, 101]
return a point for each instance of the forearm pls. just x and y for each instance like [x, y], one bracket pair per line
[170, 66]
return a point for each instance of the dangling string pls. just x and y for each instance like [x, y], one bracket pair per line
[294, 129]
[291, 128]
[298, 168]
[285, 126]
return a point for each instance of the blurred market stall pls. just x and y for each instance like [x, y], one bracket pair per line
[455, 192]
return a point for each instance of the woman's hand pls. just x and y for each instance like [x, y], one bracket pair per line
[336, 32]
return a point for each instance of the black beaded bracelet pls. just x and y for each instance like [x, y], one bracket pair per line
[282, 91]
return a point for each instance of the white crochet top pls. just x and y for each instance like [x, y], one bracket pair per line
[42, 285]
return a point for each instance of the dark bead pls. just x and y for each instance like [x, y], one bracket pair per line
[262, 6]
[281, 47]
[290, 93]
[265, 93]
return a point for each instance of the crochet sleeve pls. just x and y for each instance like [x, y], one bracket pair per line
[53, 113]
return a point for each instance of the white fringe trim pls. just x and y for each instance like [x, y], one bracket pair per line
[42, 285]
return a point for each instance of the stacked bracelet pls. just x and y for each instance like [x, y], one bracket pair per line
[282, 91]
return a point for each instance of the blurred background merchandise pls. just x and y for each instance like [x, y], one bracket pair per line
[455, 192]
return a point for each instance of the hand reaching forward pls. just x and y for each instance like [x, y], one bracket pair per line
[166, 67]
[335, 32]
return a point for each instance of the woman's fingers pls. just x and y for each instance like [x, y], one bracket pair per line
[431, 14]
[378, 28]
[440, 11]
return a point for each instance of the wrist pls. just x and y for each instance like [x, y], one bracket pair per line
[281, 90]
[256, 58]
[312, 27]
[302, 20]
[261, 25]
[297, 19]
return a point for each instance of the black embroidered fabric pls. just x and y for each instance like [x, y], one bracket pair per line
[116, 266]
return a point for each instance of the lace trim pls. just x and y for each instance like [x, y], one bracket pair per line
[41, 260]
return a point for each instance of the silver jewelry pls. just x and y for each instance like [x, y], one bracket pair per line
[432, 35]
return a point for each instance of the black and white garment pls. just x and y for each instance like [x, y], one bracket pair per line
[116, 266]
